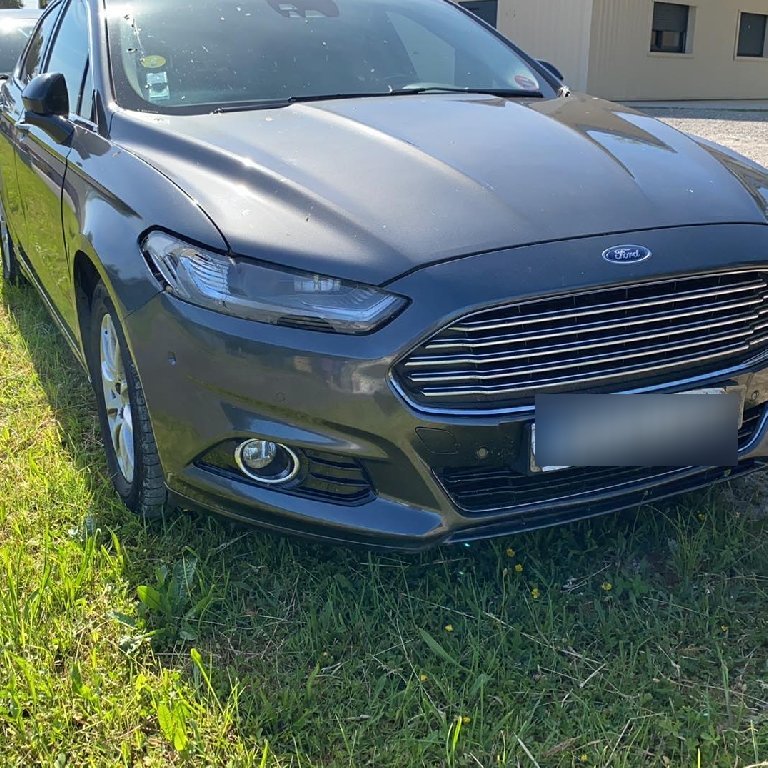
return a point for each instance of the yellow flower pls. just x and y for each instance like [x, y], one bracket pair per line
[465, 719]
[535, 594]
[449, 627]
[606, 586]
[423, 678]
[510, 552]
[583, 758]
[724, 627]
[519, 568]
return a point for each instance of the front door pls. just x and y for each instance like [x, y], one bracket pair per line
[12, 129]
[42, 164]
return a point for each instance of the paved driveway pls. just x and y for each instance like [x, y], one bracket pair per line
[744, 132]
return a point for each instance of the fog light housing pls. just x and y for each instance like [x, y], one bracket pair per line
[267, 462]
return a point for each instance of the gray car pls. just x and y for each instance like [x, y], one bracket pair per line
[320, 257]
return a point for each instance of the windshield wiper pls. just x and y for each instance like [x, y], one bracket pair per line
[507, 93]
[512, 93]
[245, 106]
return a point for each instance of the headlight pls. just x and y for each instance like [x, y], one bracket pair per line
[254, 291]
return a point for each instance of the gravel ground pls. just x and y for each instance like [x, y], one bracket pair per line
[744, 132]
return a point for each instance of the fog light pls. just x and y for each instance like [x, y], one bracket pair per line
[257, 454]
[267, 462]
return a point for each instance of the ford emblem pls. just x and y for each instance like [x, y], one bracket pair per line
[626, 254]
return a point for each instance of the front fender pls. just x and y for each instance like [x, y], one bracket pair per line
[110, 199]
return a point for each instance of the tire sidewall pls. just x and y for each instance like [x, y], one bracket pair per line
[10, 267]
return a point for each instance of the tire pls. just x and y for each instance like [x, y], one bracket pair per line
[126, 430]
[11, 272]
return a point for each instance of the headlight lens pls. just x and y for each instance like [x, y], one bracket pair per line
[267, 294]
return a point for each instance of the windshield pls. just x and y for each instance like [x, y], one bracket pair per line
[14, 34]
[195, 56]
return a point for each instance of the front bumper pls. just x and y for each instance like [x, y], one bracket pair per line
[209, 379]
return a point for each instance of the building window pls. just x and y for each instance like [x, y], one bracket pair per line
[752, 34]
[487, 10]
[669, 33]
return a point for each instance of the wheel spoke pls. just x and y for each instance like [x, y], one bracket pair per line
[126, 446]
[115, 424]
[109, 372]
[112, 400]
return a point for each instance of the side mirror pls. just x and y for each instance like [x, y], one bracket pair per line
[552, 69]
[46, 96]
[46, 105]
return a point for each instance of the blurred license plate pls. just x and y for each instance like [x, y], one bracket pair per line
[534, 467]
[636, 430]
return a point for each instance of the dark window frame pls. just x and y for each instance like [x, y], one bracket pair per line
[661, 27]
[87, 79]
[754, 18]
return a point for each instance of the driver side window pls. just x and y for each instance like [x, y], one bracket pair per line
[33, 58]
[69, 54]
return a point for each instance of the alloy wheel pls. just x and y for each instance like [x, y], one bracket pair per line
[115, 387]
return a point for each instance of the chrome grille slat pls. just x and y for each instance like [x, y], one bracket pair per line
[678, 280]
[602, 308]
[483, 375]
[571, 347]
[602, 339]
[559, 381]
[541, 384]
[588, 327]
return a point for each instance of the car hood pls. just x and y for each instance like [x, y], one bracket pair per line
[370, 188]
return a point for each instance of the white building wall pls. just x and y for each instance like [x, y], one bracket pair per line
[623, 68]
[555, 30]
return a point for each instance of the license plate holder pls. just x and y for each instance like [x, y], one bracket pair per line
[535, 468]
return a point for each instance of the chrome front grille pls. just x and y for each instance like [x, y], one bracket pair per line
[607, 339]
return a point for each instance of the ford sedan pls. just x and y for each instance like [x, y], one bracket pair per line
[320, 257]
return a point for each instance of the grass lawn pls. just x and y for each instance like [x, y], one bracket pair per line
[638, 639]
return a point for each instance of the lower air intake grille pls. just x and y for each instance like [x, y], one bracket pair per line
[605, 339]
[485, 490]
[335, 479]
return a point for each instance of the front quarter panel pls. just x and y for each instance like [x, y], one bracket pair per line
[110, 199]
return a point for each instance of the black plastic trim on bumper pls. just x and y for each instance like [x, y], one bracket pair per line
[695, 479]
